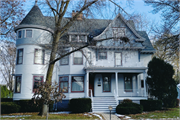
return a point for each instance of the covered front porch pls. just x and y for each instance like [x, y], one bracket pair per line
[118, 82]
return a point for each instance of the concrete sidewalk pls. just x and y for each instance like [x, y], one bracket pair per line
[107, 116]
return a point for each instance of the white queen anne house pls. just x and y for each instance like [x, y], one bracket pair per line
[108, 71]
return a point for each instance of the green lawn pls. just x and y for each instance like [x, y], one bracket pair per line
[170, 113]
[51, 116]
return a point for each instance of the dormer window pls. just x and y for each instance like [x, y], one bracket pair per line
[77, 37]
[119, 32]
[19, 35]
[28, 33]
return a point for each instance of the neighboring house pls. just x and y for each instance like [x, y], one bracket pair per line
[112, 70]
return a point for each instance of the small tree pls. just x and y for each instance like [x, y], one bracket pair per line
[160, 82]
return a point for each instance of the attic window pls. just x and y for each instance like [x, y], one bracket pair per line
[78, 38]
[119, 32]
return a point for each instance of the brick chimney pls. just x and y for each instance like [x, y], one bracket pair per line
[79, 17]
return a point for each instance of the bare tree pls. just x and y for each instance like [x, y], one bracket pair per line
[7, 62]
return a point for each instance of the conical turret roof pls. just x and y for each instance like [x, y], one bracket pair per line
[34, 17]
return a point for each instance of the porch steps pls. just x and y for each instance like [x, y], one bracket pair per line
[101, 104]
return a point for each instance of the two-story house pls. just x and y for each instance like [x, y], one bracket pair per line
[112, 69]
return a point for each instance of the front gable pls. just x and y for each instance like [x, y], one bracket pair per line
[119, 26]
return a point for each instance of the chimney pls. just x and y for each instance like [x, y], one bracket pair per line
[79, 17]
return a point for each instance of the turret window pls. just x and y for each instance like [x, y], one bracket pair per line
[39, 56]
[37, 80]
[19, 35]
[28, 33]
[18, 84]
[19, 56]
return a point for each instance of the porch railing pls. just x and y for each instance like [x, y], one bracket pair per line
[131, 92]
[115, 96]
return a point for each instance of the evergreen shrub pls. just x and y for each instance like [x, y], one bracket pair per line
[129, 108]
[9, 107]
[151, 105]
[80, 105]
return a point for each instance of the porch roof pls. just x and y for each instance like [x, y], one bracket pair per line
[116, 69]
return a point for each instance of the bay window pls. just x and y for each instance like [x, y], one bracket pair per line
[39, 56]
[78, 58]
[77, 84]
[17, 84]
[63, 84]
[19, 56]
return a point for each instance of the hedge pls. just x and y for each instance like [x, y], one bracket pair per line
[151, 105]
[129, 108]
[6, 99]
[80, 105]
[9, 107]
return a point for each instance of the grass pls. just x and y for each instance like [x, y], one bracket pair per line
[170, 113]
[51, 116]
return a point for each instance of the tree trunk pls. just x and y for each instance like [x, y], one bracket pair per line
[44, 110]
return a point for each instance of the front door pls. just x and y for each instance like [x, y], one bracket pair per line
[91, 84]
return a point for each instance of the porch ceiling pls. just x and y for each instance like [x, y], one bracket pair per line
[116, 69]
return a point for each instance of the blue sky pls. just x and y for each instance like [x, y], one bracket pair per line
[138, 7]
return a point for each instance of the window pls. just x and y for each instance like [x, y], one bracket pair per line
[18, 84]
[119, 32]
[142, 83]
[63, 84]
[77, 84]
[118, 59]
[79, 38]
[74, 38]
[64, 60]
[106, 83]
[102, 55]
[28, 33]
[19, 34]
[78, 58]
[37, 80]
[39, 56]
[19, 56]
[128, 83]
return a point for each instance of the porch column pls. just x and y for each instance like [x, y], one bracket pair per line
[117, 83]
[87, 84]
[144, 77]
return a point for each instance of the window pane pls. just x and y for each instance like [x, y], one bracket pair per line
[81, 38]
[102, 55]
[18, 84]
[65, 60]
[106, 84]
[20, 56]
[39, 56]
[128, 83]
[78, 58]
[78, 84]
[19, 34]
[74, 37]
[29, 33]
[36, 82]
[118, 59]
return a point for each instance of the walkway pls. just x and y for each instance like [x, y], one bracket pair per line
[107, 116]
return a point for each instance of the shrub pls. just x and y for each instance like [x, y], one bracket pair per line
[177, 102]
[151, 105]
[80, 105]
[129, 108]
[6, 99]
[28, 106]
[9, 107]
[127, 101]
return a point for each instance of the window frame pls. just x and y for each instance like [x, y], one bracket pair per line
[63, 58]
[74, 59]
[18, 34]
[128, 76]
[116, 36]
[35, 80]
[15, 90]
[43, 61]
[101, 58]
[17, 58]
[26, 33]
[72, 87]
[115, 59]
[64, 82]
